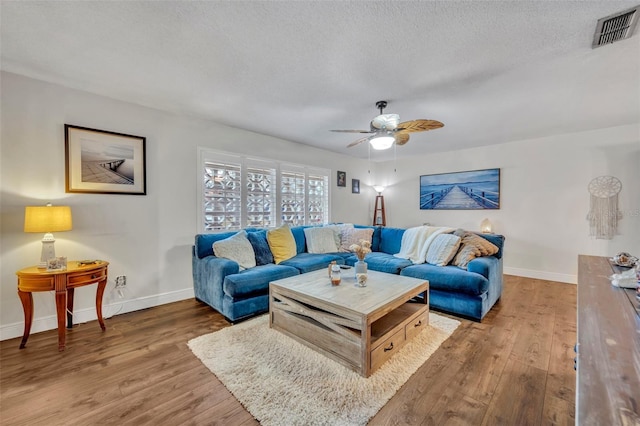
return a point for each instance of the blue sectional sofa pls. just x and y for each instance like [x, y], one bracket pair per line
[238, 294]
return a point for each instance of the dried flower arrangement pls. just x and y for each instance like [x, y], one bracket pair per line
[362, 249]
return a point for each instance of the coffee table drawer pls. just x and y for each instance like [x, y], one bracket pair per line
[417, 325]
[387, 349]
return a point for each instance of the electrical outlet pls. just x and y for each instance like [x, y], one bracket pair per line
[121, 281]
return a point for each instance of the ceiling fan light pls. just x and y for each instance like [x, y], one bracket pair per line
[382, 142]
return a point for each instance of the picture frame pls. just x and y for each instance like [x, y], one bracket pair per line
[341, 178]
[355, 186]
[468, 190]
[104, 162]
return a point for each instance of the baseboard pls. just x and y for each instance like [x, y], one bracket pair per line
[542, 275]
[118, 307]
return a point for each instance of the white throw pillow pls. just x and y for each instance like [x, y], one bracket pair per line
[236, 248]
[320, 240]
[442, 249]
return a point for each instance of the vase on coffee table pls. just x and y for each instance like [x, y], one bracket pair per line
[361, 272]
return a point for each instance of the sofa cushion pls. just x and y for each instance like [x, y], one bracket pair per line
[204, 242]
[236, 248]
[321, 240]
[448, 278]
[382, 262]
[256, 280]
[442, 249]
[281, 243]
[298, 236]
[390, 240]
[354, 236]
[496, 240]
[307, 262]
[472, 246]
[258, 240]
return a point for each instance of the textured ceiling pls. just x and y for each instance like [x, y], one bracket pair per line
[492, 72]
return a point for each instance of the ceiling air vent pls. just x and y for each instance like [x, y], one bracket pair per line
[615, 27]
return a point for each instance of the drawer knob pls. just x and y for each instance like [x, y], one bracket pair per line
[94, 276]
[389, 348]
[418, 324]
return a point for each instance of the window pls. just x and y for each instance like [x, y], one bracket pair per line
[222, 207]
[240, 192]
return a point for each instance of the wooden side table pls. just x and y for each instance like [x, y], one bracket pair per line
[64, 283]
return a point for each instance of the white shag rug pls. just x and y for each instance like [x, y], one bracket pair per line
[282, 382]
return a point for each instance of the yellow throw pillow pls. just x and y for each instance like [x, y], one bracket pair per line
[281, 243]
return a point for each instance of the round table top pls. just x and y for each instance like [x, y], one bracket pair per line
[72, 266]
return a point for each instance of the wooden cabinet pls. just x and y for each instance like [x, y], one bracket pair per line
[608, 361]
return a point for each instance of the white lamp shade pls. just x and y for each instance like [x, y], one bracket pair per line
[382, 142]
[379, 189]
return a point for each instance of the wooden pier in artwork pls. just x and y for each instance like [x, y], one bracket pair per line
[104, 171]
[456, 197]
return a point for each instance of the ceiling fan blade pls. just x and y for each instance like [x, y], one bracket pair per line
[419, 125]
[401, 138]
[352, 131]
[385, 121]
[359, 141]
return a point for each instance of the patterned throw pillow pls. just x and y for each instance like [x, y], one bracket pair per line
[236, 248]
[320, 240]
[282, 243]
[472, 246]
[351, 236]
[442, 249]
[338, 229]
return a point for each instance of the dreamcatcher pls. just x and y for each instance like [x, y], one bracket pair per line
[603, 212]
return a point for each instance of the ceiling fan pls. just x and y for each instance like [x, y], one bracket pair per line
[385, 129]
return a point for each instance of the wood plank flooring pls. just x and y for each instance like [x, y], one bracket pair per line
[514, 368]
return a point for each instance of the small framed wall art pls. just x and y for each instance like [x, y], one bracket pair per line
[355, 186]
[102, 162]
[342, 178]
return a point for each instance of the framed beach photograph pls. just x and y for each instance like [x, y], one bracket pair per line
[102, 162]
[342, 178]
[355, 186]
[472, 190]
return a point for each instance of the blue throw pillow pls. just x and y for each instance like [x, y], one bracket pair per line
[260, 245]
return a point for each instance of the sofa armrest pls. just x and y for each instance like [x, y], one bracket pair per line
[483, 265]
[208, 276]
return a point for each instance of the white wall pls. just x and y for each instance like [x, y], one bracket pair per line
[147, 238]
[544, 199]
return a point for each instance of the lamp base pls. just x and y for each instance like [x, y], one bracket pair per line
[48, 250]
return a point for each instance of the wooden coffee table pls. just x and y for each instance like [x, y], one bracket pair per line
[359, 327]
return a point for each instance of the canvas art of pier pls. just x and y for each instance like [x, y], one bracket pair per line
[471, 190]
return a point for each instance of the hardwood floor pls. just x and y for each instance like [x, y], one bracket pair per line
[514, 368]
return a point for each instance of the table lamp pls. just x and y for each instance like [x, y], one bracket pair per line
[485, 226]
[47, 219]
